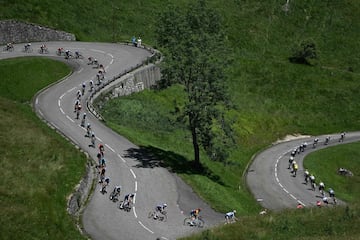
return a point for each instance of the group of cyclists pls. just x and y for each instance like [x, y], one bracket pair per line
[310, 178]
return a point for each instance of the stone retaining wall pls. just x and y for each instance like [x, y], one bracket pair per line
[18, 32]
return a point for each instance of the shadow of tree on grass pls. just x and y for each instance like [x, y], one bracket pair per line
[151, 157]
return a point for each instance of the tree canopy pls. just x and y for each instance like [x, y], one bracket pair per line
[194, 44]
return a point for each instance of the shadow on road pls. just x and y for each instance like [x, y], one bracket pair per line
[151, 157]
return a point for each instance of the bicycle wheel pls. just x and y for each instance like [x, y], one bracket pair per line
[163, 217]
[121, 205]
[187, 221]
[200, 223]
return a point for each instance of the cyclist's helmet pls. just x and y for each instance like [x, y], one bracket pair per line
[234, 211]
[164, 205]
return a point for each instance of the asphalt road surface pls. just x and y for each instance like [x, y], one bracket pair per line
[271, 182]
[126, 166]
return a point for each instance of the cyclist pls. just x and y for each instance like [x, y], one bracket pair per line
[263, 212]
[78, 109]
[78, 94]
[342, 137]
[325, 200]
[60, 51]
[67, 54]
[104, 185]
[102, 175]
[115, 193]
[293, 153]
[9, 46]
[83, 120]
[77, 102]
[83, 87]
[93, 138]
[88, 130]
[159, 209]
[78, 54]
[194, 214]
[127, 200]
[327, 140]
[306, 175]
[291, 160]
[27, 47]
[230, 216]
[101, 149]
[99, 157]
[312, 182]
[321, 188]
[331, 193]
[295, 168]
[91, 85]
[316, 140]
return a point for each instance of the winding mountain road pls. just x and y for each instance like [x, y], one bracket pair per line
[267, 177]
[271, 182]
[102, 219]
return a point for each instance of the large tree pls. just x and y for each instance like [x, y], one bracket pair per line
[194, 46]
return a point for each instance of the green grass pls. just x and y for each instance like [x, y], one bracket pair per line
[325, 163]
[39, 167]
[310, 224]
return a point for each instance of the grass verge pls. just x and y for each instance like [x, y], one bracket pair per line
[39, 167]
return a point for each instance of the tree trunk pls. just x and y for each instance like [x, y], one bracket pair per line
[196, 146]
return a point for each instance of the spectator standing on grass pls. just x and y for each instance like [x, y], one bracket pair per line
[139, 42]
[133, 41]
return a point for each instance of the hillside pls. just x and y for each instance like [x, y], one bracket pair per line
[272, 97]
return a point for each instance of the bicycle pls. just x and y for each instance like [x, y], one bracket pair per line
[8, 48]
[126, 206]
[197, 222]
[27, 49]
[230, 220]
[313, 186]
[161, 217]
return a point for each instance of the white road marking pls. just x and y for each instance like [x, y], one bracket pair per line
[41, 113]
[110, 148]
[135, 186]
[71, 89]
[80, 70]
[37, 101]
[146, 228]
[59, 103]
[111, 62]
[292, 196]
[164, 238]
[133, 173]
[62, 111]
[134, 212]
[62, 96]
[134, 199]
[70, 118]
[121, 158]
[278, 181]
[99, 139]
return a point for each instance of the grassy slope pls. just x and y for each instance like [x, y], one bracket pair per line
[39, 168]
[326, 162]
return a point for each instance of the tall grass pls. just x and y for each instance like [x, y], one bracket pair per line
[39, 168]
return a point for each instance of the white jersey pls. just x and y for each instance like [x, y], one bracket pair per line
[230, 214]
